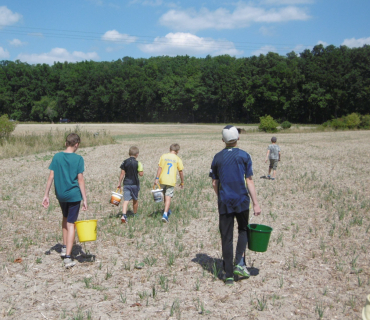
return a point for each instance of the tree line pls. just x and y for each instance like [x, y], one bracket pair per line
[315, 86]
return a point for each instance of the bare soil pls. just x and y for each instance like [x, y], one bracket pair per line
[316, 266]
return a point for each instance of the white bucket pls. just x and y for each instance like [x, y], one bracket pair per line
[158, 194]
[116, 198]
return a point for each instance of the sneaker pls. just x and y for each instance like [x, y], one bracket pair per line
[168, 213]
[123, 218]
[268, 177]
[272, 178]
[241, 271]
[229, 281]
[63, 251]
[69, 263]
[165, 218]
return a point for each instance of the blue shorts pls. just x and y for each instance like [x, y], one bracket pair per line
[130, 192]
[70, 210]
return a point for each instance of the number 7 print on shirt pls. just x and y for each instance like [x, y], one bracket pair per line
[169, 167]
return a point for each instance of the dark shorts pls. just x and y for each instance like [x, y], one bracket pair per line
[273, 163]
[70, 210]
[130, 192]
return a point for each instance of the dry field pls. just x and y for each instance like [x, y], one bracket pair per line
[316, 267]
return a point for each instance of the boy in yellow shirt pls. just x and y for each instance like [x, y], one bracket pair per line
[168, 165]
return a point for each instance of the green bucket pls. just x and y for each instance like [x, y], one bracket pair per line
[258, 237]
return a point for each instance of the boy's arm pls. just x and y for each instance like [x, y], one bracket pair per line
[215, 186]
[181, 173]
[253, 194]
[45, 201]
[267, 155]
[279, 155]
[121, 178]
[81, 183]
[156, 181]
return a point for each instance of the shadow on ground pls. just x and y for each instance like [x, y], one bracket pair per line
[77, 252]
[215, 266]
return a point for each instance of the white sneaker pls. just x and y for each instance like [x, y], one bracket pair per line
[63, 251]
[241, 271]
[69, 263]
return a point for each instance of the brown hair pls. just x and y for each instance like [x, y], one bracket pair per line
[133, 151]
[175, 147]
[72, 139]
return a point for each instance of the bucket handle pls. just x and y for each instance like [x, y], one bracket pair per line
[156, 185]
[120, 190]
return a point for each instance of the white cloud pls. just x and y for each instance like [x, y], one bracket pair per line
[17, 43]
[7, 17]
[186, 43]
[115, 36]
[267, 31]
[4, 54]
[57, 54]
[243, 16]
[264, 50]
[354, 43]
[325, 44]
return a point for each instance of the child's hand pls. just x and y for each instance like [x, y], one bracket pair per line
[119, 187]
[45, 202]
[265, 160]
[181, 185]
[84, 205]
[256, 209]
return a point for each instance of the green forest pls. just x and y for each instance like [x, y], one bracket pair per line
[311, 87]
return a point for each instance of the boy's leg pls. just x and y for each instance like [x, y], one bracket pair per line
[73, 209]
[242, 219]
[240, 268]
[125, 206]
[135, 205]
[64, 230]
[226, 225]
[167, 203]
[70, 237]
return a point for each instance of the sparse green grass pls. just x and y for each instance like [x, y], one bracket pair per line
[319, 247]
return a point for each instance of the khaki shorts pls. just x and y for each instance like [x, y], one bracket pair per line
[273, 163]
[168, 190]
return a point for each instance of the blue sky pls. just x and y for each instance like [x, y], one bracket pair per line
[104, 30]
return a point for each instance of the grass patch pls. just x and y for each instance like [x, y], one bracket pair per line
[53, 140]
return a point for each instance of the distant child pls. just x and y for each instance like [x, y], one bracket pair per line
[131, 169]
[231, 173]
[66, 169]
[273, 153]
[168, 165]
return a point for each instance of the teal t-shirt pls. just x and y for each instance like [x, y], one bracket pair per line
[66, 167]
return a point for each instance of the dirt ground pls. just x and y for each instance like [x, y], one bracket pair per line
[316, 265]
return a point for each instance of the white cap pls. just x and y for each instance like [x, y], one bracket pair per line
[230, 134]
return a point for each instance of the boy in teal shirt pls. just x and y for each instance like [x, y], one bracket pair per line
[66, 169]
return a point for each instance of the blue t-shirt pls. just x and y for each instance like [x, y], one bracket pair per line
[66, 167]
[231, 167]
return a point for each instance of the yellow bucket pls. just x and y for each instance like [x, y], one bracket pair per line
[86, 230]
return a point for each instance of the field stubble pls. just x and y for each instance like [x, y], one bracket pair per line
[316, 266]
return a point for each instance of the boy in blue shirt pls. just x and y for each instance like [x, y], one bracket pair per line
[231, 173]
[66, 169]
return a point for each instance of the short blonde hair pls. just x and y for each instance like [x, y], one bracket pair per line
[72, 139]
[133, 151]
[175, 147]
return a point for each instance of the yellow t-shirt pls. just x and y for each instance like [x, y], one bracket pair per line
[169, 163]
